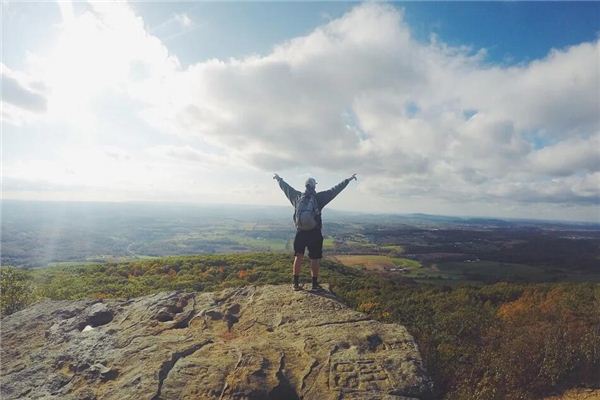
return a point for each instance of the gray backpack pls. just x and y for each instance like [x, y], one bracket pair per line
[307, 211]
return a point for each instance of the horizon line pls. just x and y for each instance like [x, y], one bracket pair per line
[371, 213]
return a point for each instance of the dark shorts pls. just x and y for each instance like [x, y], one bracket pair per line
[313, 240]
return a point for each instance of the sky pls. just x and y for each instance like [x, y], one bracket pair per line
[472, 109]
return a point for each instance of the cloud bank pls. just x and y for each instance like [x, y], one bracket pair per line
[358, 94]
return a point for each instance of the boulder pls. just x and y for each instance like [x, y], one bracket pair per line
[263, 342]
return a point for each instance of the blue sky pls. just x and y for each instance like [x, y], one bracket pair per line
[454, 108]
[511, 32]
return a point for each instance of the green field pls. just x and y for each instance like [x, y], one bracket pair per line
[394, 249]
[328, 243]
[262, 244]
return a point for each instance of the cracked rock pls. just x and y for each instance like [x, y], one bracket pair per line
[265, 342]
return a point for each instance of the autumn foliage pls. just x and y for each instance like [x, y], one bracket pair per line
[501, 341]
[548, 337]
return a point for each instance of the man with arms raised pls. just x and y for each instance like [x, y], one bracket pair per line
[307, 218]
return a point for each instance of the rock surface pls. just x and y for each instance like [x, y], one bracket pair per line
[577, 394]
[265, 342]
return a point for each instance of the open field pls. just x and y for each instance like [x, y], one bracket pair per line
[328, 243]
[377, 263]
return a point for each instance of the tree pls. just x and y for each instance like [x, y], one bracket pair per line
[15, 290]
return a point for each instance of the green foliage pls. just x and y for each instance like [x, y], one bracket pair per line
[197, 273]
[15, 290]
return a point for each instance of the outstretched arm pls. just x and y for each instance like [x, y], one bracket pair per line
[328, 195]
[291, 193]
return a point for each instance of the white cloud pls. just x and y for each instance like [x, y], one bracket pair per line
[22, 97]
[66, 10]
[569, 156]
[187, 153]
[105, 51]
[358, 94]
[287, 109]
[184, 20]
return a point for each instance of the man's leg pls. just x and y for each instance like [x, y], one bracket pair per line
[297, 264]
[296, 270]
[315, 264]
[315, 252]
[299, 247]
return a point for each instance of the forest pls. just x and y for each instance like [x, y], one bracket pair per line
[502, 340]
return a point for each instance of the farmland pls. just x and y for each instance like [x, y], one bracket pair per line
[423, 248]
[378, 263]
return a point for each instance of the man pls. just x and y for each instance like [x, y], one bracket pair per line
[307, 207]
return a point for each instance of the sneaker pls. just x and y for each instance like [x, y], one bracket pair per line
[296, 287]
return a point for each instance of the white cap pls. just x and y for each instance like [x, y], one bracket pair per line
[310, 182]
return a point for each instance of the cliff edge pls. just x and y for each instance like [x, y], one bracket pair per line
[263, 342]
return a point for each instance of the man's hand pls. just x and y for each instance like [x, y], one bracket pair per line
[276, 177]
[353, 177]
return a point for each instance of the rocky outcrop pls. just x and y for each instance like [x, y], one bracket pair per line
[265, 342]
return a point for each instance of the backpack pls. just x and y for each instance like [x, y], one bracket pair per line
[307, 211]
